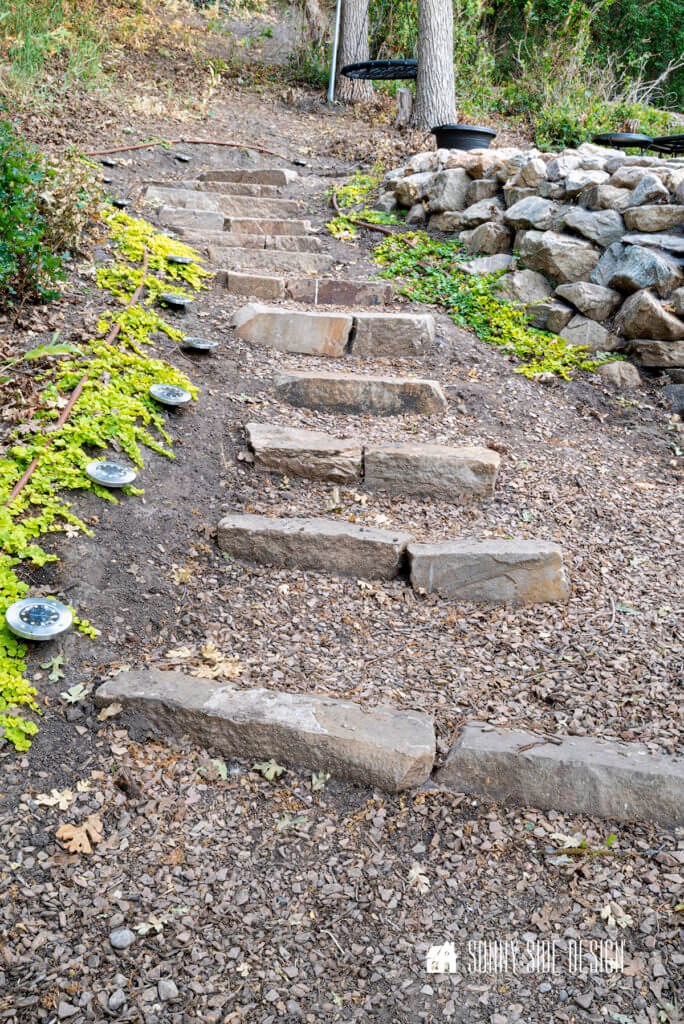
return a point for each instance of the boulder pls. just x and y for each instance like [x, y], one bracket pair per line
[388, 335]
[490, 238]
[649, 190]
[620, 374]
[562, 258]
[658, 240]
[630, 268]
[450, 220]
[490, 571]
[416, 214]
[431, 470]
[422, 162]
[654, 218]
[288, 330]
[579, 179]
[677, 300]
[604, 197]
[481, 161]
[586, 333]
[642, 316]
[530, 174]
[483, 188]
[592, 300]
[661, 354]
[362, 394]
[513, 195]
[448, 190]
[550, 315]
[486, 264]
[551, 190]
[387, 202]
[602, 226]
[412, 188]
[629, 176]
[532, 213]
[392, 750]
[485, 210]
[559, 168]
[292, 451]
[523, 288]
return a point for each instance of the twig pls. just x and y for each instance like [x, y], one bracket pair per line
[359, 223]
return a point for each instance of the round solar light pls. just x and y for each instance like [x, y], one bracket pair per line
[38, 618]
[182, 261]
[182, 158]
[174, 301]
[170, 394]
[199, 344]
[120, 204]
[110, 474]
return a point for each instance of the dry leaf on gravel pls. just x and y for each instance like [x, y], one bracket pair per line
[109, 712]
[55, 798]
[77, 838]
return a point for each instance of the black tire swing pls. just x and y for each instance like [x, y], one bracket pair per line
[382, 70]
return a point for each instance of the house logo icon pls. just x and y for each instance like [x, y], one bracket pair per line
[441, 959]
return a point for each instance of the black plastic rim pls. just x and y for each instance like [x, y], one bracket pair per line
[463, 136]
[673, 144]
[381, 70]
[623, 140]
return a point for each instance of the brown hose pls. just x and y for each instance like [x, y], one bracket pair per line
[75, 395]
[185, 142]
[359, 223]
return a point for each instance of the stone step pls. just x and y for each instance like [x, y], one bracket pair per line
[243, 206]
[390, 335]
[264, 176]
[312, 454]
[267, 226]
[287, 330]
[180, 198]
[326, 545]
[315, 291]
[239, 188]
[235, 240]
[190, 222]
[431, 470]
[578, 775]
[362, 395]
[491, 571]
[235, 258]
[388, 749]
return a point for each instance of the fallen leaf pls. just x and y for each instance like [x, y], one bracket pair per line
[109, 712]
[78, 838]
[55, 798]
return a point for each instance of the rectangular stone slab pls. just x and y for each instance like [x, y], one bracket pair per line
[579, 776]
[265, 176]
[364, 395]
[186, 221]
[181, 198]
[240, 188]
[327, 545]
[431, 470]
[307, 453]
[388, 749]
[291, 330]
[490, 571]
[334, 292]
[269, 260]
[267, 226]
[244, 206]
[392, 334]
[261, 286]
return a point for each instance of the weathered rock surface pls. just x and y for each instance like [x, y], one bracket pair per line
[480, 213]
[189, 221]
[431, 470]
[365, 395]
[523, 287]
[642, 316]
[581, 330]
[258, 286]
[581, 775]
[561, 166]
[563, 259]
[416, 214]
[264, 176]
[580, 179]
[486, 264]
[604, 197]
[629, 176]
[649, 190]
[654, 218]
[620, 374]
[592, 300]
[448, 190]
[658, 353]
[412, 188]
[294, 451]
[530, 174]
[491, 571]
[601, 226]
[658, 240]
[392, 750]
[629, 268]
[392, 334]
[550, 315]
[288, 330]
[450, 220]
[483, 188]
[677, 300]
[490, 238]
[327, 545]
[533, 213]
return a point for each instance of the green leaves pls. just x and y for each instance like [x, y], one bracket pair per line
[269, 769]
[74, 694]
[55, 666]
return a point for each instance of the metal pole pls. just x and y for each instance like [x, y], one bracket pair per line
[336, 38]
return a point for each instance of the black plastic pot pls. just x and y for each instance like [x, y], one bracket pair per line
[623, 140]
[463, 136]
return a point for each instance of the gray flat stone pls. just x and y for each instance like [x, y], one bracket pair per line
[562, 258]
[550, 315]
[490, 571]
[311, 454]
[654, 218]
[326, 545]
[591, 300]
[365, 395]
[181, 199]
[582, 331]
[186, 222]
[600, 226]
[533, 213]
[288, 330]
[431, 470]
[392, 750]
[265, 176]
[659, 240]
[643, 316]
[658, 353]
[578, 776]
[629, 268]
[269, 260]
[392, 334]
[482, 212]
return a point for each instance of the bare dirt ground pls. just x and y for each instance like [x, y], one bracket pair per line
[252, 900]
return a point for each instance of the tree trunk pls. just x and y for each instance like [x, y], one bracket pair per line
[435, 89]
[353, 48]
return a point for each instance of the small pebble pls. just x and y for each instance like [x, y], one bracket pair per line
[65, 1010]
[167, 989]
[545, 986]
[117, 999]
[121, 938]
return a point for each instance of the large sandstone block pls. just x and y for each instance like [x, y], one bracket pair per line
[584, 332]
[271, 226]
[321, 334]
[579, 775]
[392, 334]
[490, 571]
[654, 218]
[270, 209]
[327, 545]
[181, 198]
[447, 190]
[269, 260]
[312, 454]
[259, 286]
[187, 221]
[642, 316]
[392, 750]
[264, 176]
[431, 470]
[604, 197]
[562, 258]
[364, 395]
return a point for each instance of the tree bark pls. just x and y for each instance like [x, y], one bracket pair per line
[353, 48]
[435, 88]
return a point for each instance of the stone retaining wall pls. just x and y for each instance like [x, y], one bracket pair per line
[597, 237]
